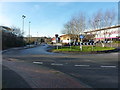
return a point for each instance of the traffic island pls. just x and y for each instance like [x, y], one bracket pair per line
[85, 50]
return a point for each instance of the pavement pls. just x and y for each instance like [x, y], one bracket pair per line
[9, 76]
[19, 48]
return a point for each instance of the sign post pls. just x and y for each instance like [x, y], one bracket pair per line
[69, 40]
[81, 37]
[56, 35]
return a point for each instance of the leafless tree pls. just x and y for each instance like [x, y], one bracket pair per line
[67, 28]
[16, 31]
[79, 22]
[102, 19]
[109, 18]
[76, 25]
[99, 19]
[95, 22]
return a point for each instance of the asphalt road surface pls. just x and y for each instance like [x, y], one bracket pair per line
[41, 69]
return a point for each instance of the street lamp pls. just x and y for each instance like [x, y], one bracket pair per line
[23, 17]
[29, 33]
[37, 39]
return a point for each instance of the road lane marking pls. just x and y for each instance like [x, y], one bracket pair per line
[81, 65]
[87, 60]
[38, 62]
[109, 66]
[56, 64]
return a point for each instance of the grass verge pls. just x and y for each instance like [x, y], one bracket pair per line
[84, 49]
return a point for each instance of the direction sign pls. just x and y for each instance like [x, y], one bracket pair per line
[82, 36]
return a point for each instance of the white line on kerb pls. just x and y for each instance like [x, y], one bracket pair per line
[56, 64]
[82, 65]
[109, 66]
[38, 62]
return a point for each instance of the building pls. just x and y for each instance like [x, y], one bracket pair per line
[37, 40]
[108, 33]
[55, 40]
[68, 38]
[5, 29]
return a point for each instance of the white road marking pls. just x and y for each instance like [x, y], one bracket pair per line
[56, 64]
[87, 60]
[38, 62]
[109, 66]
[82, 65]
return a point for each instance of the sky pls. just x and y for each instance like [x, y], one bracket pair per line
[47, 18]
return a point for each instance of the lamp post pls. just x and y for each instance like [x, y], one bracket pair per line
[23, 17]
[37, 38]
[29, 33]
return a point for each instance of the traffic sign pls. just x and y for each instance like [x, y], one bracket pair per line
[82, 36]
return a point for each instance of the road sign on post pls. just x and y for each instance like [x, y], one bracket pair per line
[56, 35]
[81, 37]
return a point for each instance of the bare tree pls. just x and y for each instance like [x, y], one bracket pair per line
[99, 19]
[76, 25]
[109, 18]
[102, 19]
[16, 31]
[96, 22]
[79, 23]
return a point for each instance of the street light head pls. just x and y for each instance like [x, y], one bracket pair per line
[23, 16]
[56, 35]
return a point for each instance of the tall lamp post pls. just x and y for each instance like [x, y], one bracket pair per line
[37, 38]
[29, 33]
[23, 17]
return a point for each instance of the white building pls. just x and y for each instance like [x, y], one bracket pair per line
[107, 33]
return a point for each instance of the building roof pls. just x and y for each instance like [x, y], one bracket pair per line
[67, 35]
[6, 28]
[103, 29]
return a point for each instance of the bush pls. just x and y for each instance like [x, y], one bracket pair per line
[9, 40]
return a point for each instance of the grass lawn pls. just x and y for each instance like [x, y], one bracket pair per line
[84, 48]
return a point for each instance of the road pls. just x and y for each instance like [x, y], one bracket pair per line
[41, 69]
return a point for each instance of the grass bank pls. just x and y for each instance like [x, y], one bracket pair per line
[84, 49]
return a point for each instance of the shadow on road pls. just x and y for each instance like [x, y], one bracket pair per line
[11, 79]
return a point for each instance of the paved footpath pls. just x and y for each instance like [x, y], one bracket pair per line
[21, 74]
